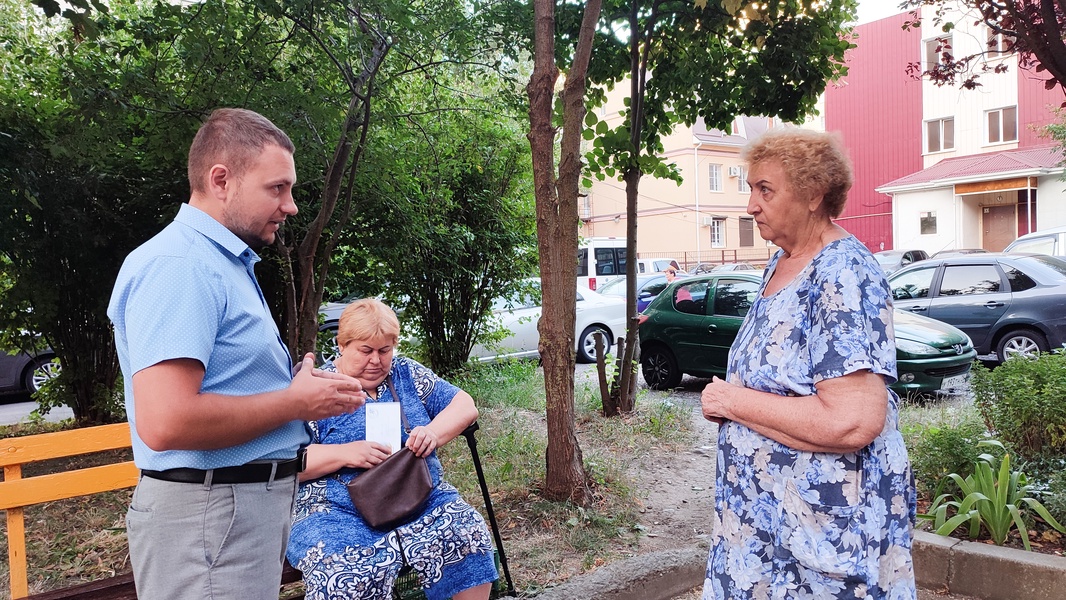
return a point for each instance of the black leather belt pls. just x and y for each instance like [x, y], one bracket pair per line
[257, 472]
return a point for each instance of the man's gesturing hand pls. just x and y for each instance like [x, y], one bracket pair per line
[325, 394]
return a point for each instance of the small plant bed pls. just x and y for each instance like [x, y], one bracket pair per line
[993, 469]
[1043, 540]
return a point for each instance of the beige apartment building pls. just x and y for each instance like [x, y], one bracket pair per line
[702, 220]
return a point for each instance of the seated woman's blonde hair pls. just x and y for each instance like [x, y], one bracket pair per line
[367, 319]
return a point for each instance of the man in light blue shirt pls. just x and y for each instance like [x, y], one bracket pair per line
[216, 414]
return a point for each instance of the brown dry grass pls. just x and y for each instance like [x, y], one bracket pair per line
[74, 540]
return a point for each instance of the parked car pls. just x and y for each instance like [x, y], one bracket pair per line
[958, 252]
[718, 268]
[330, 315]
[647, 266]
[595, 313]
[648, 287]
[24, 372]
[1048, 241]
[1009, 304]
[690, 326]
[894, 260]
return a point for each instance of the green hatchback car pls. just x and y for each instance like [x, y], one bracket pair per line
[689, 327]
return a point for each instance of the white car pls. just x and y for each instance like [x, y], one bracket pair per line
[519, 316]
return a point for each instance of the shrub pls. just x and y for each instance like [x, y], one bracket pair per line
[1023, 402]
[941, 441]
[1055, 495]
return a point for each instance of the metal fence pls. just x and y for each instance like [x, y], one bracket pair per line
[757, 256]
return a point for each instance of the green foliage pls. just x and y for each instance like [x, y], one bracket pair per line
[94, 131]
[1055, 493]
[1021, 402]
[710, 63]
[943, 442]
[80, 186]
[453, 188]
[513, 383]
[988, 499]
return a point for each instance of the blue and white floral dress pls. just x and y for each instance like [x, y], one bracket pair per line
[792, 524]
[342, 557]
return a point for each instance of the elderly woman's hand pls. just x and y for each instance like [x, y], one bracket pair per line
[716, 399]
[422, 441]
[363, 454]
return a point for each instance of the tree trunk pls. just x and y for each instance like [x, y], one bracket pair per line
[305, 262]
[557, 218]
[637, 80]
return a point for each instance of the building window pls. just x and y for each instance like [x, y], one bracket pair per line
[939, 135]
[928, 222]
[714, 177]
[747, 235]
[1003, 125]
[937, 51]
[717, 233]
[742, 181]
[997, 44]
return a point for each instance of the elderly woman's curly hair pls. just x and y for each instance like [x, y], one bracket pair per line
[814, 162]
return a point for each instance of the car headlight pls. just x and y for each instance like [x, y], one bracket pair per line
[918, 348]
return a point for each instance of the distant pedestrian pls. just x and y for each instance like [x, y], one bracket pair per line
[216, 415]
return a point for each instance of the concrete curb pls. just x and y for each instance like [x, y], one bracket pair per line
[941, 563]
[654, 576]
[985, 571]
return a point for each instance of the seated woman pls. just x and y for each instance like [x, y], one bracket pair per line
[448, 544]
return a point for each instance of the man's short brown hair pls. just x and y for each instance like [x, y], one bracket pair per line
[233, 137]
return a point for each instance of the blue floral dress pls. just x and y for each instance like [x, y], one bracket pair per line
[792, 524]
[342, 557]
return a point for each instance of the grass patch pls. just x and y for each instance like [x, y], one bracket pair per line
[549, 542]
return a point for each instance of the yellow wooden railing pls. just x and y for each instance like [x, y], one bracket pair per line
[17, 492]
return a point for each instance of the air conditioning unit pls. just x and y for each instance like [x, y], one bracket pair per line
[706, 221]
[735, 171]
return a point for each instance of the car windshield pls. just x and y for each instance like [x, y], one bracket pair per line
[887, 259]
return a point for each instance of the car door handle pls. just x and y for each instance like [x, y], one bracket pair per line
[712, 328]
[993, 304]
[916, 309]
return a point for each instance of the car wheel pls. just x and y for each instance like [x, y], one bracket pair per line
[327, 344]
[659, 368]
[42, 369]
[586, 343]
[1020, 342]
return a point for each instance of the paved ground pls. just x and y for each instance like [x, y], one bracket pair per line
[17, 408]
[922, 595]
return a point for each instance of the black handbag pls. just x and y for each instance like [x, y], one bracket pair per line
[394, 491]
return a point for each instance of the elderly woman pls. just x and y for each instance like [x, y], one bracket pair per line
[814, 494]
[340, 555]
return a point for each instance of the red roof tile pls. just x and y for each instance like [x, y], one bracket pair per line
[982, 167]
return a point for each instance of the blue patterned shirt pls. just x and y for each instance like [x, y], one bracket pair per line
[191, 292]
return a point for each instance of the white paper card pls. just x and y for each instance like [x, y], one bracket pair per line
[383, 423]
